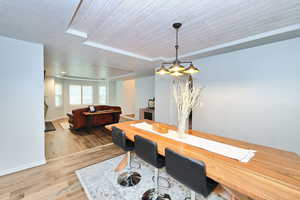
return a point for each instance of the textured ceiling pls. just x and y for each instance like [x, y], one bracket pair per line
[142, 28]
[46, 22]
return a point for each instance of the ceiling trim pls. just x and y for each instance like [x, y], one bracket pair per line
[121, 76]
[116, 50]
[77, 33]
[286, 29]
[77, 78]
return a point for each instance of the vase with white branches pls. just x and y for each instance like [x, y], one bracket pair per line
[187, 97]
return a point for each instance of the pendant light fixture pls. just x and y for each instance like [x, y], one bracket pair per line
[176, 68]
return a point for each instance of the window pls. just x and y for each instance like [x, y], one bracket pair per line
[58, 95]
[102, 95]
[75, 94]
[87, 94]
[81, 94]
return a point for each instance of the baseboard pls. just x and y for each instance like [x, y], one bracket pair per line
[127, 117]
[22, 167]
[56, 118]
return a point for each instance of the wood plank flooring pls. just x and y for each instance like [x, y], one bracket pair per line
[55, 180]
[63, 142]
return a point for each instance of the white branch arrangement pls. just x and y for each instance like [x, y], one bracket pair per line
[187, 97]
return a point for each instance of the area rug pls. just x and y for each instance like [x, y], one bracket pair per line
[49, 126]
[100, 183]
[64, 125]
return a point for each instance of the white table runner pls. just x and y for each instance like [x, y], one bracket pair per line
[242, 155]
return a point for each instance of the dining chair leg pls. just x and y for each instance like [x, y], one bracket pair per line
[129, 160]
[193, 195]
[155, 193]
[134, 163]
[166, 183]
[156, 181]
[128, 178]
[122, 164]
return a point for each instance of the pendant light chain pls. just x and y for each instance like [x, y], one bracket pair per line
[176, 46]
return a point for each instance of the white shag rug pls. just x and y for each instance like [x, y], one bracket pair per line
[64, 125]
[100, 182]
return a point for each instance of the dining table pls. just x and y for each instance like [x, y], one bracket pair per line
[271, 174]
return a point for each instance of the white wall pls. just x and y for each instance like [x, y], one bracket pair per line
[95, 84]
[253, 95]
[133, 94]
[163, 98]
[144, 91]
[59, 112]
[125, 96]
[53, 111]
[22, 105]
[112, 92]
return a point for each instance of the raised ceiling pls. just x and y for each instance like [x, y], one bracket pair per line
[46, 22]
[144, 27]
[122, 37]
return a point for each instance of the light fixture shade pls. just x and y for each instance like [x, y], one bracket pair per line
[177, 73]
[176, 67]
[162, 70]
[191, 69]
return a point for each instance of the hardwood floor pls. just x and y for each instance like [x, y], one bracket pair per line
[63, 142]
[55, 180]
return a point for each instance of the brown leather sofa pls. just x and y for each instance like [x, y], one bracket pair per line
[78, 120]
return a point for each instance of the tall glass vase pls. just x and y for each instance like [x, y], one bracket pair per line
[182, 126]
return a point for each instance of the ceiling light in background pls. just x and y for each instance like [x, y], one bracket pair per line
[177, 73]
[162, 70]
[175, 67]
[63, 72]
[191, 69]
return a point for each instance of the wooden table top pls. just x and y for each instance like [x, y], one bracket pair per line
[100, 112]
[271, 174]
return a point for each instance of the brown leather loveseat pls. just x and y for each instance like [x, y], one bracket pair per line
[78, 120]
